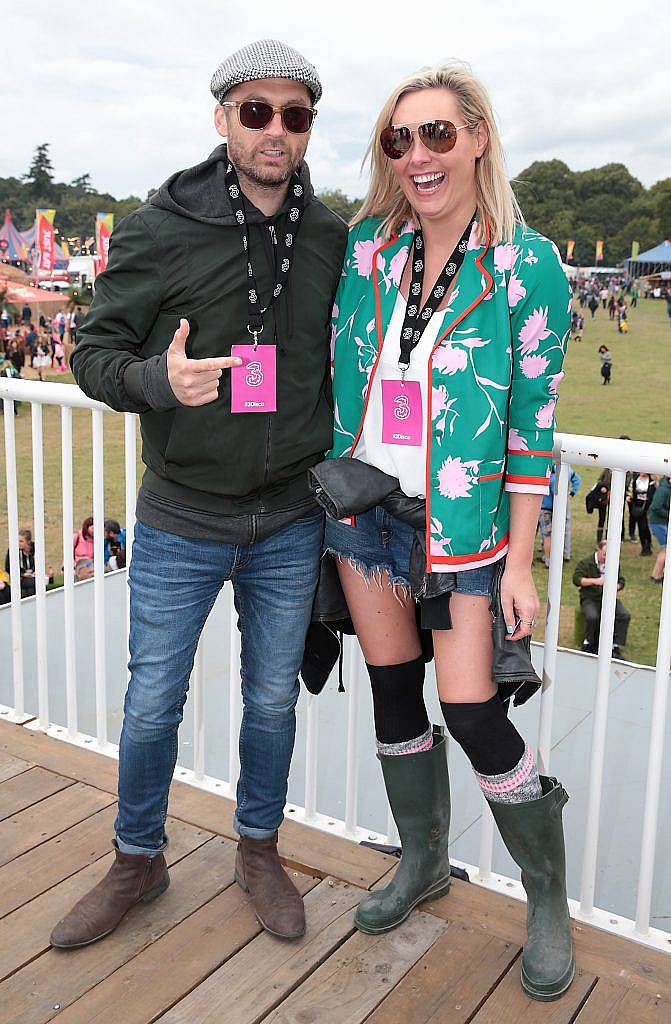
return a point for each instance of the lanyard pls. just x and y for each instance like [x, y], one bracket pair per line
[416, 320]
[284, 245]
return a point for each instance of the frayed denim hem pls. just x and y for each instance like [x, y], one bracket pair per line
[375, 574]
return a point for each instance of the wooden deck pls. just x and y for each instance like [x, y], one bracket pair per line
[198, 955]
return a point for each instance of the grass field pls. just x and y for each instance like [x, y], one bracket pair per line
[635, 403]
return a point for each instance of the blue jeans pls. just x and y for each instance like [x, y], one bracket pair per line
[174, 582]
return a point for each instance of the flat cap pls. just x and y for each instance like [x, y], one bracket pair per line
[266, 58]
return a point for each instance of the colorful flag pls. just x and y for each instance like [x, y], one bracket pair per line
[104, 227]
[569, 249]
[45, 239]
[635, 249]
[599, 250]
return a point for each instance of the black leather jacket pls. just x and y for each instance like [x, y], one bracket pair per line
[348, 487]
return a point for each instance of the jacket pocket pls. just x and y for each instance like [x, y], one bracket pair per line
[490, 488]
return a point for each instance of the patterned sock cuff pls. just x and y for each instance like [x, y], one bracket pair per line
[518, 785]
[414, 746]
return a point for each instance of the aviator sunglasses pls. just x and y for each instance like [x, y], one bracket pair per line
[439, 136]
[257, 115]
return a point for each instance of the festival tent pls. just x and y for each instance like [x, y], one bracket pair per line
[60, 256]
[39, 299]
[653, 261]
[13, 246]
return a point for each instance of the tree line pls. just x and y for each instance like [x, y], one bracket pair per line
[606, 202]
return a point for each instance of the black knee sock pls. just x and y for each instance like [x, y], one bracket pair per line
[398, 701]
[488, 737]
[504, 765]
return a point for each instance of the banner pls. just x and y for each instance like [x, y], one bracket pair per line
[635, 249]
[45, 240]
[569, 249]
[599, 250]
[104, 227]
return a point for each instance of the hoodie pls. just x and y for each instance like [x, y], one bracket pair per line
[180, 255]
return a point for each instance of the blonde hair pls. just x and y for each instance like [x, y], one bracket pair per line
[496, 203]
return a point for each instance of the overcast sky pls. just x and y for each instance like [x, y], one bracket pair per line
[121, 89]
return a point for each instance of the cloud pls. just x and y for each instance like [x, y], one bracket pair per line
[121, 90]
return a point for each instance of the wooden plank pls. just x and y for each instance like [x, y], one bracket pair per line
[11, 766]
[39, 869]
[24, 934]
[509, 1004]
[599, 952]
[42, 988]
[355, 979]
[29, 788]
[181, 959]
[613, 1004]
[58, 756]
[304, 849]
[49, 818]
[451, 981]
[256, 980]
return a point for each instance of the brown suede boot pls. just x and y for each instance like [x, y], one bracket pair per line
[132, 878]
[278, 905]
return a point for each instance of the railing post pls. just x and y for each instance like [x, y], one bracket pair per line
[40, 569]
[14, 570]
[68, 571]
[588, 882]
[99, 577]
[352, 769]
[655, 755]
[130, 457]
[559, 509]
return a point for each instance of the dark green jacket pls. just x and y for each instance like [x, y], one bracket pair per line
[588, 568]
[181, 256]
[659, 506]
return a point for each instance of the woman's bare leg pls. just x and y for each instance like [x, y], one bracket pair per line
[464, 653]
[384, 620]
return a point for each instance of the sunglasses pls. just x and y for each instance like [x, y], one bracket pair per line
[257, 115]
[439, 136]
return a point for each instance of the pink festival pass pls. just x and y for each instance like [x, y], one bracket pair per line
[253, 385]
[401, 412]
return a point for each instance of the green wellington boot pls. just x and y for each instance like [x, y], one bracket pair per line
[418, 788]
[534, 836]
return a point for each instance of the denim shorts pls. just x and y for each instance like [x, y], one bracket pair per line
[660, 532]
[381, 542]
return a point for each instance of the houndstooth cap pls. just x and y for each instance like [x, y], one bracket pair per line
[266, 58]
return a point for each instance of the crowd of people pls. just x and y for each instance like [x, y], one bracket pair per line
[646, 517]
[41, 343]
[114, 555]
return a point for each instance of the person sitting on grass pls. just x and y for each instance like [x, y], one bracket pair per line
[589, 577]
[115, 545]
[27, 564]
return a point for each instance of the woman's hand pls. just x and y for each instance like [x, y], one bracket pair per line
[519, 601]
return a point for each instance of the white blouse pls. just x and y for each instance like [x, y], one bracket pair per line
[406, 462]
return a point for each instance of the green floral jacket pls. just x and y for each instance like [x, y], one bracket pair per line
[493, 377]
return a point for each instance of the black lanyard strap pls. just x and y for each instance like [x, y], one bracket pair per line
[416, 319]
[284, 245]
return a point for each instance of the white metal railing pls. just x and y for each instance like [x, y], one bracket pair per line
[570, 450]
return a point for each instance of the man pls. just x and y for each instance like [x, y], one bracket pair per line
[545, 516]
[238, 263]
[589, 577]
[30, 342]
[115, 545]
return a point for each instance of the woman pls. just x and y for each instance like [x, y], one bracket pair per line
[82, 542]
[481, 349]
[639, 496]
[606, 363]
